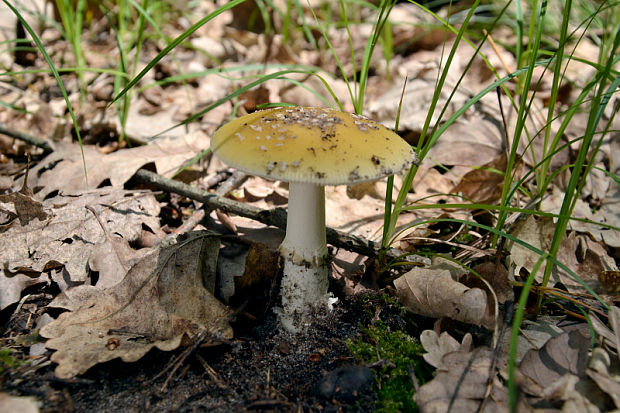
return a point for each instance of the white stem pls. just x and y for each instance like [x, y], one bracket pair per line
[305, 280]
[305, 227]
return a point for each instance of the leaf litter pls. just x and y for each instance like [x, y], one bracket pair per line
[94, 270]
[160, 302]
[62, 244]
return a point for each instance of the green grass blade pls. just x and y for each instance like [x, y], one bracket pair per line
[174, 44]
[54, 71]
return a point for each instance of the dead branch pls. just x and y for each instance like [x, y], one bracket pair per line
[274, 217]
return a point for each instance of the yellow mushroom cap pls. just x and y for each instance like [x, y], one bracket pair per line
[311, 145]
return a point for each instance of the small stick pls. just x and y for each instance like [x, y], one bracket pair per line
[212, 373]
[233, 182]
[22, 136]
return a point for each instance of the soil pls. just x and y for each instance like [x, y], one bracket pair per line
[261, 369]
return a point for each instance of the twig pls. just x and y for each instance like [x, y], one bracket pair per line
[178, 361]
[274, 217]
[232, 183]
[212, 373]
[22, 136]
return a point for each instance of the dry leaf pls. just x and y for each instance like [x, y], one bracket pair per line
[63, 169]
[496, 276]
[434, 293]
[564, 354]
[461, 384]
[609, 337]
[533, 335]
[484, 185]
[604, 373]
[582, 261]
[535, 231]
[112, 259]
[68, 237]
[25, 208]
[587, 264]
[606, 214]
[160, 301]
[438, 346]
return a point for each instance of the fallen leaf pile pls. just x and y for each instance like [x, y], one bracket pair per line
[158, 303]
[60, 243]
[561, 374]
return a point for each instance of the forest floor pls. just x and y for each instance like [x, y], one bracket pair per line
[121, 290]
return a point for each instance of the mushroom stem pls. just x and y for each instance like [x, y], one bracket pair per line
[305, 280]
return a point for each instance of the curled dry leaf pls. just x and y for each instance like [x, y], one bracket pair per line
[433, 293]
[609, 337]
[604, 372]
[160, 301]
[584, 262]
[25, 208]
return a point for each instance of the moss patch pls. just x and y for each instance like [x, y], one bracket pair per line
[397, 357]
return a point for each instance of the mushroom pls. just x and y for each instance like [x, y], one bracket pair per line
[309, 148]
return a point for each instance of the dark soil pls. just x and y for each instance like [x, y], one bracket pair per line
[261, 369]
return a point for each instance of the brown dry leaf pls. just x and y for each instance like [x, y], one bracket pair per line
[604, 371]
[68, 237]
[358, 191]
[63, 169]
[432, 292]
[256, 188]
[438, 346]
[160, 302]
[585, 264]
[606, 214]
[566, 353]
[558, 374]
[609, 337]
[533, 335]
[484, 185]
[575, 395]
[583, 261]
[535, 231]
[358, 217]
[25, 208]
[496, 276]
[112, 259]
[461, 384]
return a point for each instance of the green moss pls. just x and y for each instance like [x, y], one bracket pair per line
[395, 353]
[370, 301]
[7, 361]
